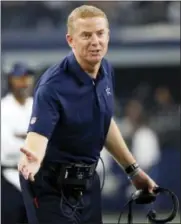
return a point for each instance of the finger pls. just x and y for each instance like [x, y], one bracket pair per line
[20, 165]
[152, 188]
[26, 152]
[24, 175]
[21, 168]
[29, 154]
[31, 177]
[28, 175]
[25, 172]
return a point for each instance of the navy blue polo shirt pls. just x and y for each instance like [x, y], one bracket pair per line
[73, 111]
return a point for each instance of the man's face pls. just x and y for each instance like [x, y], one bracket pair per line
[90, 38]
[22, 86]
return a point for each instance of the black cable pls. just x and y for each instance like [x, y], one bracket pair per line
[152, 215]
[130, 213]
[73, 207]
[144, 197]
[121, 213]
[77, 205]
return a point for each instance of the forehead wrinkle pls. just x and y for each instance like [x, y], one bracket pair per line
[89, 32]
[82, 23]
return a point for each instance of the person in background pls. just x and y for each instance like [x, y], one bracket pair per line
[145, 143]
[15, 114]
[165, 118]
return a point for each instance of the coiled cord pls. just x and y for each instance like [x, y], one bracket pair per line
[77, 206]
[144, 197]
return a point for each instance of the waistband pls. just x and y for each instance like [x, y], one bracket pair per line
[89, 169]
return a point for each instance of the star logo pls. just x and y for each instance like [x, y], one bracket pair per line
[108, 91]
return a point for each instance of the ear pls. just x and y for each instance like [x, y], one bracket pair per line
[108, 35]
[69, 40]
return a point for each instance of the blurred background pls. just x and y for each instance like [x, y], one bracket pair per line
[145, 53]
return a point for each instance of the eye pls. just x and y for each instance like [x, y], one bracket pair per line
[100, 33]
[86, 35]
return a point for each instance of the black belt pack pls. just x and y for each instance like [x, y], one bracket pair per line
[76, 176]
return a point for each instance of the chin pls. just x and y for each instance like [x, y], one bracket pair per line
[95, 60]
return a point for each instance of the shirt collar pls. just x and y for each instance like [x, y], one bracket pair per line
[76, 69]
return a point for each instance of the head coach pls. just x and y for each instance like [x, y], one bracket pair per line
[71, 121]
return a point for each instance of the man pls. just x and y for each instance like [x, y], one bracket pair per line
[15, 112]
[71, 122]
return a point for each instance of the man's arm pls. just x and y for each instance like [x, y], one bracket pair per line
[44, 117]
[45, 114]
[36, 144]
[116, 145]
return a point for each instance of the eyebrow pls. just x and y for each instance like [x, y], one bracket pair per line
[100, 30]
[87, 32]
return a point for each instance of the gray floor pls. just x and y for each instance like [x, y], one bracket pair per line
[137, 219]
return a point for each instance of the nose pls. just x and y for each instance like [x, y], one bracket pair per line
[94, 40]
[24, 85]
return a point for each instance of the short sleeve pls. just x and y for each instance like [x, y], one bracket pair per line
[45, 111]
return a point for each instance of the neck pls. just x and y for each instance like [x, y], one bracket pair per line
[20, 100]
[90, 69]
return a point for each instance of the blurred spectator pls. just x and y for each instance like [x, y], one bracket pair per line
[15, 115]
[111, 8]
[174, 12]
[43, 14]
[153, 11]
[3, 84]
[13, 14]
[143, 141]
[163, 98]
[128, 123]
[165, 119]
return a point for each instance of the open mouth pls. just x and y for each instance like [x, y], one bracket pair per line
[95, 51]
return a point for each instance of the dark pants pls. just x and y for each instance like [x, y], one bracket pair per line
[12, 206]
[51, 207]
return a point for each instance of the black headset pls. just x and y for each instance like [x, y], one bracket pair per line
[144, 197]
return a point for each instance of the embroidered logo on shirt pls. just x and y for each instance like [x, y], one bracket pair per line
[33, 120]
[108, 91]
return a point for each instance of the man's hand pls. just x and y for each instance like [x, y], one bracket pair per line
[28, 164]
[142, 181]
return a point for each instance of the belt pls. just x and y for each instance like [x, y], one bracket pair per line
[70, 174]
[79, 170]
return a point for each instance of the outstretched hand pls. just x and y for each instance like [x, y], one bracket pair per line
[28, 164]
